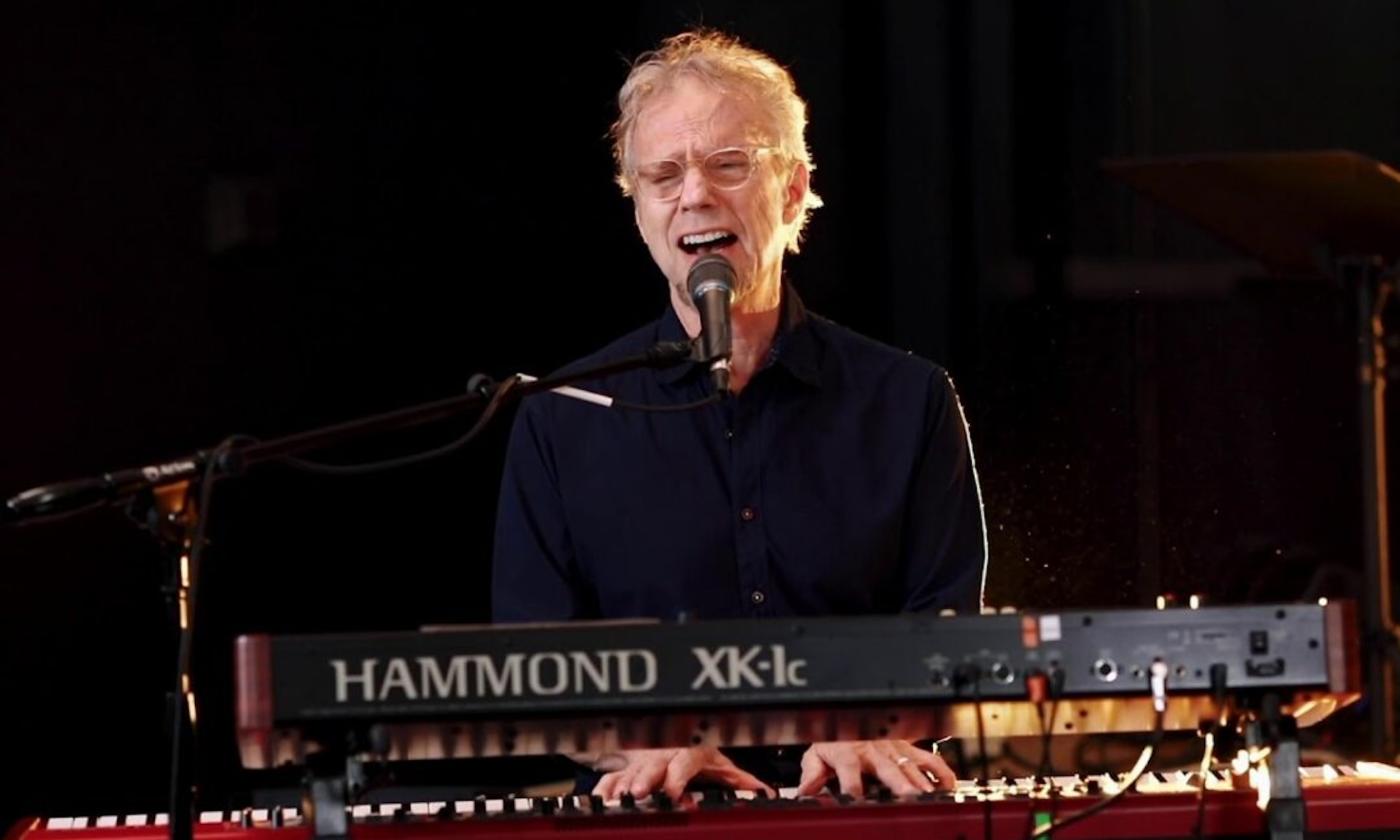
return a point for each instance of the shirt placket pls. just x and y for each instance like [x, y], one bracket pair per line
[746, 455]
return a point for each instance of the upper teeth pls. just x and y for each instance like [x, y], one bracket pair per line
[702, 238]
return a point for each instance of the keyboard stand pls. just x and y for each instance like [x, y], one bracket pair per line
[332, 783]
[1278, 733]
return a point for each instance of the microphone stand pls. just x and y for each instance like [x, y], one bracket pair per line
[173, 498]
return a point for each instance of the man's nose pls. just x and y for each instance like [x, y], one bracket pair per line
[695, 189]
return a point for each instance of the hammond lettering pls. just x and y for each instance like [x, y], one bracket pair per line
[546, 674]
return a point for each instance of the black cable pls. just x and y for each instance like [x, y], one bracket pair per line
[318, 468]
[1128, 784]
[1046, 768]
[1055, 685]
[1206, 759]
[1219, 692]
[972, 673]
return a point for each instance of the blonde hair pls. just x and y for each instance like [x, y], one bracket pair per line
[722, 61]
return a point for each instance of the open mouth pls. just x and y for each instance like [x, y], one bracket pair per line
[704, 243]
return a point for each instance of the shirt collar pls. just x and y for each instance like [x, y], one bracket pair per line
[796, 347]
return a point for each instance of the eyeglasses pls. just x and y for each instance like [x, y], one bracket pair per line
[725, 169]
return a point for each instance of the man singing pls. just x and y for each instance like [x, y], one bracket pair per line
[838, 479]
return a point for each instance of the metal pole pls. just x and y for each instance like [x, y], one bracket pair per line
[1372, 295]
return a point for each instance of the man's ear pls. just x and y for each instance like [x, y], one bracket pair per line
[795, 193]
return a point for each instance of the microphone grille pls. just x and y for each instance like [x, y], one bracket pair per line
[711, 268]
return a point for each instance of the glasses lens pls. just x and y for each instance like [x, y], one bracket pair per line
[662, 179]
[728, 167]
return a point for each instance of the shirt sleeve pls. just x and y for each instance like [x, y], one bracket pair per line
[534, 575]
[945, 541]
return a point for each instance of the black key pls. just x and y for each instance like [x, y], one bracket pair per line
[596, 804]
[508, 806]
[661, 802]
[479, 806]
[629, 802]
[713, 799]
[545, 805]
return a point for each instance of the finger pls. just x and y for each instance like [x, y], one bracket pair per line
[891, 775]
[910, 759]
[679, 771]
[814, 774]
[848, 771]
[650, 773]
[934, 763]
[741, 779]
[607, 786]
[928, 762]
[914, 772]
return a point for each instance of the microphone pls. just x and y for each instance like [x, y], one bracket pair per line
[71, 496]
[711, 287]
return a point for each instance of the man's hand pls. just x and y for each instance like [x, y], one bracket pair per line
[670, 770]
[899, 765]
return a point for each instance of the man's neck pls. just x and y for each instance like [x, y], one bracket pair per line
[753, 339]
[753, 324]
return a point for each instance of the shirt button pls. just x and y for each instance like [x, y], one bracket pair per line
[757, 596]
[748, 514]
[728, 434]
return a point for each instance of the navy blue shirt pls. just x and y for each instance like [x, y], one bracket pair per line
[839, 481]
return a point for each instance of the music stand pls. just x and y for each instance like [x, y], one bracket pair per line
[1336, 213]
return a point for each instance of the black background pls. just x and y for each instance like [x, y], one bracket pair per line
[261, 218]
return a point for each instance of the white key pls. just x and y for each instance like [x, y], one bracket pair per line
[59, 823]
[1377, 770]
[494, 806]
[136, 819]
[360, 812]
[106, 822]
[462, 806]
[388, 809]
[745, 794]
[434, 807]
[419, 808]
[787, 793]
[211, 817]
[80, 822]
[260, 815]
[162, 819]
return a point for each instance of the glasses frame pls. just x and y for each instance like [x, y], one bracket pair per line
[754, 154]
